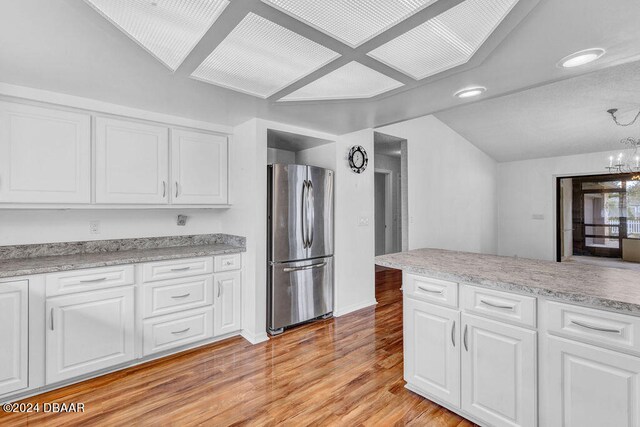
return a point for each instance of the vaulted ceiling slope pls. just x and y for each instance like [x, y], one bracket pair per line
[562, 118]
[67, 46]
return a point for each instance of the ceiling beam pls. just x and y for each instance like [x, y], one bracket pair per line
[226, 22]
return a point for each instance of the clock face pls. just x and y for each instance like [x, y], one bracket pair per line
[358, 159]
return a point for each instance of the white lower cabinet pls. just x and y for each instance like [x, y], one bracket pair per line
[89, 331]
[174, 330]
[227, 302]
[499, 372]
[589, 386]
[14, 336]
[431, 349]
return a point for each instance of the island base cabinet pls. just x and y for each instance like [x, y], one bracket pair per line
[89, 331]
[14, 332]
[591, 387]
[431, 349]
[499, 373]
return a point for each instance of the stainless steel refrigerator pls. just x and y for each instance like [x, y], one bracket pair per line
[300, 245]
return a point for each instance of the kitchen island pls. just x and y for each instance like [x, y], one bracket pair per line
[508, 341]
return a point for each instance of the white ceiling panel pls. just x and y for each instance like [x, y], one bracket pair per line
[168, 29]
[350, 81]
[260, 58]
[354, 21]
[445, 41]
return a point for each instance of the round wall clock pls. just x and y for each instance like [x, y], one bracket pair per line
[358, 159]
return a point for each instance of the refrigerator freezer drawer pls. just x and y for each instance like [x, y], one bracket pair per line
[300, 291]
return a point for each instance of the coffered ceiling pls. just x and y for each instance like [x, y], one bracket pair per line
[335, 69]
[263, 58]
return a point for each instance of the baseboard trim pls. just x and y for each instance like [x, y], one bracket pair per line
[354, 307]
[254, 338]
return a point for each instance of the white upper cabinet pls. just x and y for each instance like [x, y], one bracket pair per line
[198, 168]
[45, 155]
[132, 162]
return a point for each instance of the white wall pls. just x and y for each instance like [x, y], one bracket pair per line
[275, 155]
[451, 188]
[247, 217]
[323, 156]
[354, 244]
[19, 227]
[528, 188]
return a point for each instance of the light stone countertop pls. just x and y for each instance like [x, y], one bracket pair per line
[601, 287]
[38, 259]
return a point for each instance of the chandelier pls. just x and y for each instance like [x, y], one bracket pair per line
[629, 160]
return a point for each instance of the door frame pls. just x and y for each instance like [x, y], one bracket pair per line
[388, 209]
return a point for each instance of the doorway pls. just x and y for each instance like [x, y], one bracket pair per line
[599, 218]
[390, 198]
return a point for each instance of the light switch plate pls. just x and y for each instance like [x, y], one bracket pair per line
[363, 221]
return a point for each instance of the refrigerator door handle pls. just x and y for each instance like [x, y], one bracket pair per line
[311, 215]
[306, 267]
[304, 214]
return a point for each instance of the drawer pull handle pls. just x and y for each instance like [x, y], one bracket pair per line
[52, 318]
[453, 331]
[490, 304]
[431, 291]
[181, 332]
[181, 296]
[100, 279]
[596, 328]
[181, 269]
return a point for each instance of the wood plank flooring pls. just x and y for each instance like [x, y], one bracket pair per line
[345, 371]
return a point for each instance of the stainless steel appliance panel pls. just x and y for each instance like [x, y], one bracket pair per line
[320, 212]
[300, 291]
[287, 194]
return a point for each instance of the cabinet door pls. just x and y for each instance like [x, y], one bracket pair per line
[198, 168]
[14, 335]
[132, 162]
[45, 155]
[227, 316]
[432, 349]
[589, 386]
[499, 377]
[89, 331]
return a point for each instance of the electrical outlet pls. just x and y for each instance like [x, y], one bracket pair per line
[363, 221]
[94, 227]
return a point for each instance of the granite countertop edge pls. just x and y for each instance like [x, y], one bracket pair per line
[558, 295]
[51, 264]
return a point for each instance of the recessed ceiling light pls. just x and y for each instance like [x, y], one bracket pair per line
[581, 58]
[470, 92]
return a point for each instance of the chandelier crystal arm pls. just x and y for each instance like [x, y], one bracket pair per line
[613, 112]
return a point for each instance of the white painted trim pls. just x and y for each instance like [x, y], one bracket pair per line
[254, 338]
[64, 100]
[354, 307]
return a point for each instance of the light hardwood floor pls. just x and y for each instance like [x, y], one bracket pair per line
[340, 372]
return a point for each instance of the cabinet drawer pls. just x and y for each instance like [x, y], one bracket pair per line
[594, 326]
[433, 290]
[176, 268]
[227, 262]
[169, 296]
[518, 309]
[69, 282]
[174, 330]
